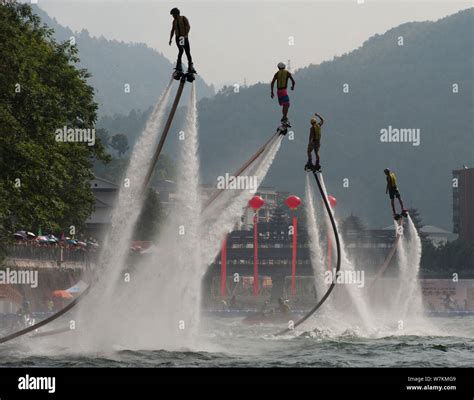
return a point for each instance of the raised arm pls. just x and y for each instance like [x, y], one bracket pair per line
[321, 122]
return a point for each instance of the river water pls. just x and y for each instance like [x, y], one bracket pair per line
[226, 342]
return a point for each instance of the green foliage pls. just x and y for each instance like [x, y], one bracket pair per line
[452, 257]
[352, 224]
[119, 143]
[45, 183]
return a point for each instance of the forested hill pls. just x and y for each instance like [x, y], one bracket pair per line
[402, 85]
[114, 64]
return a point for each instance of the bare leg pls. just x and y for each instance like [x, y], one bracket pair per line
[401, 203]
[285, 110]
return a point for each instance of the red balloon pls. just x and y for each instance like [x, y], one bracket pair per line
[256, 202]
[332, 201]
[293, 202]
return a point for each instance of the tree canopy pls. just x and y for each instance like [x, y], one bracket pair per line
[44, 182]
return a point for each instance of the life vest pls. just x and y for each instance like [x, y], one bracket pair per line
[392, 180]
[282, 78]
[316, 132]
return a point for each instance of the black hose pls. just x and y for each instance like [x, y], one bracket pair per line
[338, 264]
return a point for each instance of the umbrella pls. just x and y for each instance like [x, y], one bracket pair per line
[42, 239]
[30, 235]
[83, 244]
[62, 294]
[20, 235]
[53, 238]
[79, 287]
[71, 241]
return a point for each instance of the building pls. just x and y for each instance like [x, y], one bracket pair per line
[437, 236]
[463, 203]
[105, 193]
[272, 199]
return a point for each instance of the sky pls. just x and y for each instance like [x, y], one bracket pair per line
[242, 41]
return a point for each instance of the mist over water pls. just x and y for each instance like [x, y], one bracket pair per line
[396, 309]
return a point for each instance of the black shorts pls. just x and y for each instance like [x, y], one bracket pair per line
[393, 192]
[314, 146]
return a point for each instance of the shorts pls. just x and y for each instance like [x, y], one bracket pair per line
[283, 97]
[393, 192]
[314, 146]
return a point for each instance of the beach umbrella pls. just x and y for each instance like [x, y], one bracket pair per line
[20, 235]
[31, 235]
[62, 294]
[42, 239]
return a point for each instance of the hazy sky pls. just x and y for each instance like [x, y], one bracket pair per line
[233, 40]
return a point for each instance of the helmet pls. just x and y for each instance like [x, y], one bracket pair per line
[174, 11]
[386, 170]
[313, 121]
[281, 65]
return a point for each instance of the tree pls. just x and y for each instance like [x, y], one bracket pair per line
[353, 224]
[418, 222]
[119, 143]
[45, 181]
[104, 137]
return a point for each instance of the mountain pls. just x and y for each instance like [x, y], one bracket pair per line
[402, 86]
[114, 64]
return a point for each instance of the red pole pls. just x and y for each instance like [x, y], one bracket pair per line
[255, 255]
[224, 267]
[293, 262]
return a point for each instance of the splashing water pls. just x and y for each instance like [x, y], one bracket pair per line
[402, 312]
[411, 303]
[317, 259]
[227, 210]
[125, 214]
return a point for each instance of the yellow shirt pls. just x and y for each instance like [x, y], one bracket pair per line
[392, 180]
[315, 133]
